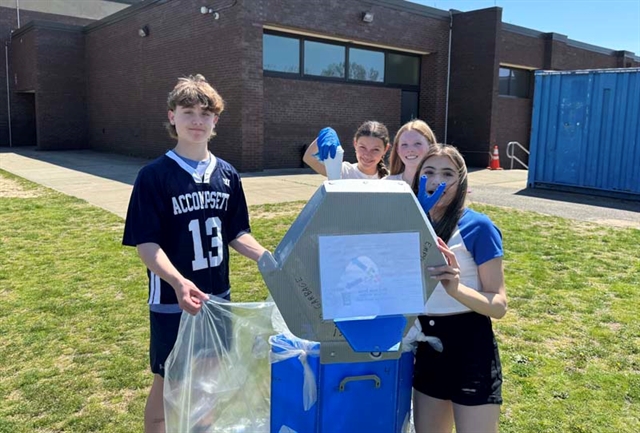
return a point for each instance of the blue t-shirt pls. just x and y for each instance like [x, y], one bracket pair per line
[192, 217]
[199, 166]
[475, 241]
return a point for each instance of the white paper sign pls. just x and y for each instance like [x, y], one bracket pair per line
[370, 275]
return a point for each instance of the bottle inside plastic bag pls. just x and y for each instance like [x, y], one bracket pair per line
[217, 377]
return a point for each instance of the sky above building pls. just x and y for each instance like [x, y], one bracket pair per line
[613, 24]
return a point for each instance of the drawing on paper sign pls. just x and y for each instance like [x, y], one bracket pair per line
[359, 277]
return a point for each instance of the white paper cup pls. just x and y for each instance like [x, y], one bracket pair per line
[334, 165]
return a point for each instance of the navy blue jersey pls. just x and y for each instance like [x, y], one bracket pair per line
[192, 218]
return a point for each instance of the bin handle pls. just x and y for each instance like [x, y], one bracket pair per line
[348, 379]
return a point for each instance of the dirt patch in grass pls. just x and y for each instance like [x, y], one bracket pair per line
[275, 212]
[617, 223]
[11, 189]
[558, 344]
[615, 327]
[64, 362]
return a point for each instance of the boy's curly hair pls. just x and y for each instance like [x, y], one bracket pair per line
[191, 91]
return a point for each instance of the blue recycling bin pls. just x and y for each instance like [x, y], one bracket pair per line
[372, 396]
[338, 289]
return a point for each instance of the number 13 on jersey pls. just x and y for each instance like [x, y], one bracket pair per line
[213, 227]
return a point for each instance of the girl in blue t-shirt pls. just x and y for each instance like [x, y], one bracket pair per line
[462, 384]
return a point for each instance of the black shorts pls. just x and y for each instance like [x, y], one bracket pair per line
[468, 370]
[164, 333]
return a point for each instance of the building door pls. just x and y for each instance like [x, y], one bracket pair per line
[409, 106]
[23, 119]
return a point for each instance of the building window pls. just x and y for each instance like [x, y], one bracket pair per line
[403, 69]
[514, 82]
[303, 57]
[281, 54]
[324, 60]
[366, 65]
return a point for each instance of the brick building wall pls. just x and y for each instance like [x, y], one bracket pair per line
[124, 79]
[433, 85]
[23, 76]
[517, 49]
[394, 26]
[9, 22]
[48, 73]
[228, 52]
[565, 57]
[512, 121]
[295, 110]
[23, 62]
[555, 51]
[130, 76]
[252, 90]
[474, 64]
[60, 97]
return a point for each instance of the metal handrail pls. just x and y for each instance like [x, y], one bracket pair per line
[511, 155]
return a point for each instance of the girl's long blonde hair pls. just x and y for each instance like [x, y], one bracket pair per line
[397, 166]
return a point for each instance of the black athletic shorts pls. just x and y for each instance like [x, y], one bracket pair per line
[468, 370]
[164, 333]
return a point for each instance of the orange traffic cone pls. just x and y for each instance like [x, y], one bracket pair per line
[495, 160]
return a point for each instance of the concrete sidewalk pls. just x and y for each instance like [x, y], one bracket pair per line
[105, 180]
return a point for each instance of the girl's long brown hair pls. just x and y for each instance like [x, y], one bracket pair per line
[371, 128]
[446, 225]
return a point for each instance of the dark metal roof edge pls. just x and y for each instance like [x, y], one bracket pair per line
[572, 43]
[122, 14]
[49, 25]
[589, 47]
[415, 8]
[523, 30]
[588, 71]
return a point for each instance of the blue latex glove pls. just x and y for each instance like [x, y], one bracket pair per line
[428, 201]
[328, 142]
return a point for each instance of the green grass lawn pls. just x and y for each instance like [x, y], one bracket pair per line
[74, 321]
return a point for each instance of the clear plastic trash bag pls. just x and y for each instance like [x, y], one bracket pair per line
[415, 335]
[286, 346]
[218, 377]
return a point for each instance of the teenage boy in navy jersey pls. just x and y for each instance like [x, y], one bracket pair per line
[187, 207]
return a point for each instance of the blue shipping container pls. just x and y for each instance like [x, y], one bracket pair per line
[585, 132]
